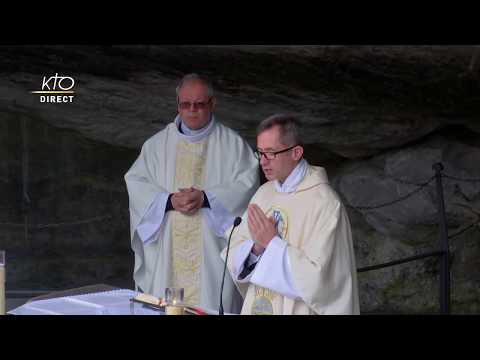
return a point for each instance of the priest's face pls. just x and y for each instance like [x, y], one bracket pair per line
[194, 105]
[277, 166]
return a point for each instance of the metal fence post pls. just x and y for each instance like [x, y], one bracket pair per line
[444, 246]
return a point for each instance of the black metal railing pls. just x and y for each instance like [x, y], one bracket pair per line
[444, 248]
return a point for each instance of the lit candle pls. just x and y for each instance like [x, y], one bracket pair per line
[2, 282]
[2, 290]
[174, 301]
[174, 310]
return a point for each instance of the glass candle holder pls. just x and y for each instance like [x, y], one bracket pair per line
[174, 301]
[174, 296]
[2, 282]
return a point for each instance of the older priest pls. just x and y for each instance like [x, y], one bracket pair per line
[185, 189]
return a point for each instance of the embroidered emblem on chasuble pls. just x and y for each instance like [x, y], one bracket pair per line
[187, 235]
[263, 301]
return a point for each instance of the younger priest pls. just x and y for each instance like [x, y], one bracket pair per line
[293, 251]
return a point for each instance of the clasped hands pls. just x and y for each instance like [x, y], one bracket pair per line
[262, 228]
[187, 200]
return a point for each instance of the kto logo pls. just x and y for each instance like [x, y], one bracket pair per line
[56, 85]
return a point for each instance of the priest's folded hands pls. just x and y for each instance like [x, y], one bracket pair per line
[261, 228]
[188, 201]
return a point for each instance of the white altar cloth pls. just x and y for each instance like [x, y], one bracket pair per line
[113, 302]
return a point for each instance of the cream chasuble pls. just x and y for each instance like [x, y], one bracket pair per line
[184, 251]
[314, 229]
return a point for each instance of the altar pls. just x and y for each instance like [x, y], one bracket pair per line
[99, 299]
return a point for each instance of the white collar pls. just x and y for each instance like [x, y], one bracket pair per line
[193, 135]
[294, 179]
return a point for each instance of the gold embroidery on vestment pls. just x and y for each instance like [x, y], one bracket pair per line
[263, 298]
[187, 235]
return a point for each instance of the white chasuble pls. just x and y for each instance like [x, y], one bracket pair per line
[314, 230]
[172, 249]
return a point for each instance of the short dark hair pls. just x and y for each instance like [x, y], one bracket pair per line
[289, 127]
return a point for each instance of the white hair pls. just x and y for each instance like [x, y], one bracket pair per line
[196, 77]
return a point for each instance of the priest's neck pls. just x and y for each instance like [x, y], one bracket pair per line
[184, 129]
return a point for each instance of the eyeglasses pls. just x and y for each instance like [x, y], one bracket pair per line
[270, 155]
[200, 105]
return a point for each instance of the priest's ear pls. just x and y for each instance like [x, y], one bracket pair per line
[213, 102]
[297, 152]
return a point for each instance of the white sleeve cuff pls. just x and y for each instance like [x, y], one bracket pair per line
[218, 217]
[243, 252]
[252, 258]
[273, 270]
[153, 218]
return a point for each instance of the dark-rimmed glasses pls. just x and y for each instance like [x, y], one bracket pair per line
[270, 155]
[199, 105]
